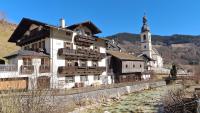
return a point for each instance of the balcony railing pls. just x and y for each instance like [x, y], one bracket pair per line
[80, 70]
[8, 68]
[82, 54]
[44, 69]
[27, 69]
[84, 40]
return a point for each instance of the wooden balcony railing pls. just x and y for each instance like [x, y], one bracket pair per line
[8, 68]
[44, 69]
[81, 54]
[80, 70]
[27, 69]
[84, 40]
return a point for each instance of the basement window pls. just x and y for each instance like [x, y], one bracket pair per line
[84, 78]
[69, 79]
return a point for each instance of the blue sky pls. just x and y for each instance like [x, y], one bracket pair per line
[165, 17]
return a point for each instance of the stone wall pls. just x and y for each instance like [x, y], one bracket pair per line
[98, 95]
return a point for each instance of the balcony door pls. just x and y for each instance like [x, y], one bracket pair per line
[27, 61]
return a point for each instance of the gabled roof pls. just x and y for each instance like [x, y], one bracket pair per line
[124, 56]
[26, 53]
[146, 57]
[89, 24]
[22, 28]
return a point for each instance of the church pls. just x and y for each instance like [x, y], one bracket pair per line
[148, 50]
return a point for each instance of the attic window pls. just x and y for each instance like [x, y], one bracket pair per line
[68, 33]
[80, 32]
[88, 33]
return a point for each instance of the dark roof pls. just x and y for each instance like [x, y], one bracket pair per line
[89, 24]
[22, 28]
[124, 56]
[27, 53]
[24, 25]
[146, 57]
[145, 26]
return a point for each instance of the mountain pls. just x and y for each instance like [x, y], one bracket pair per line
[6, 29]
[180, 49]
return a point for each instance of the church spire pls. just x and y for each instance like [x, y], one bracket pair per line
[145, 26]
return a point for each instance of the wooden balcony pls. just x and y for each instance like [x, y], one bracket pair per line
[81, 54]
[74, 70]
[44, 69]
[84, 40]
[27, 69]
[8, 68]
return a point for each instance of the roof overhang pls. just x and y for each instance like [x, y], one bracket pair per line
[23, 27]
[88, 24]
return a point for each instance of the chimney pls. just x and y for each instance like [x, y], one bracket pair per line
[62, 23]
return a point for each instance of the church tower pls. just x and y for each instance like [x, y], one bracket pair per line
[145, 35]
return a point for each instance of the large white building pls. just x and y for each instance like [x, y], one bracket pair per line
[147, 49]
[55, 56]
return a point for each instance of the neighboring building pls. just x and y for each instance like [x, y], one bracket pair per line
[113, 45]
[125, 67]
[147, 49]
[57, 57]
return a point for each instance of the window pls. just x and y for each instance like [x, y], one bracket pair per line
[133, 65]
[88, 33]
[83, 63]
[27, 61]
[67, 45]
[126, 66]
[94, 64]
[43, 44]
[32, 46]
[80, 32]
[140, 65]
[26, 47]
[69, 79]
[96, 49]
[145, 46]
[75, 63]
[144, 37]
[84, 78]
[96, 77]
[39, 45]
[69, 63]
[45, 61]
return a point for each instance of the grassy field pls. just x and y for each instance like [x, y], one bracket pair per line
[6, 29]
[148, 101]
